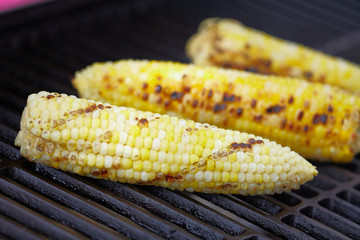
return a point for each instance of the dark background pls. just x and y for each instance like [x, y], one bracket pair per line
[42, 46]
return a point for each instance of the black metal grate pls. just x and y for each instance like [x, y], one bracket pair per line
[42, 47]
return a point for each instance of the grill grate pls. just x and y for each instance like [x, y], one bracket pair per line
[42, 47]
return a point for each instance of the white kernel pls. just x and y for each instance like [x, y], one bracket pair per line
[208, 176]
[120, 126]
[182, 122]
[252, 167]
[144, 176]
[127, 152]
[218, 144]
[108, 161]
[241, 177]
[96, 146]
[75, 133]
[185, 158]
[199, 176]
[181, 148]
[189, 177]
[103, 148]
[274, 177]
[80, 144]
[266, 178]
[185, 138]
[46, 134]
[260, 168]
[283, 176]
[244, 167]
[156, 144]
[96, 113]
[277, 169]
[121, 173]
[55, 136]
[35, 112]
[161, 134]
[123, 137]
[119, 149]
[240, 156]
[112, 125]
[135, 154]
[257, 158]
[256, 149]
[250, 177]
[162, 156]
[227, 166]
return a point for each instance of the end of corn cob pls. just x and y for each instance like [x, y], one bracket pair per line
[100, 140]
[227, 43]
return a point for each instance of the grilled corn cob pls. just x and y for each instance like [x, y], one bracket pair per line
[318, 121]
[227, 43]
[122, 144]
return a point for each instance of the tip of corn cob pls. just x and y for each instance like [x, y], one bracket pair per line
[228, 43]
[100, 140]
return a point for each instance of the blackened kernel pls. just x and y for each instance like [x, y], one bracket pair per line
[143, 123]
[227, 186]
[210, 93]
[219, 107]
[195, 103]
[166, 103]
[268, 63]
[300, 115]
[187, 89]
[248, 145]
[178, 177]
[80, 111]
[108, 107]
[291, 100]
[157, 118]
[176, 95]
[50, 96]
[145, 96]
[308, 74]
[275, 109]
[239, 111]
[251, 141]
[145, 85]
[243, 145]
[306, 128]
[72, 113]
[259, 141]
[104, 172]
[157, 88]
[283, 123]
[170, 178]
[188, 129]
[253, 103]
[252, 69]
[238, 98]
[235, 145]
[258, 118]
[323, 118]
[231, 110]
[159, 100]
[95, 173]
[316, 119]
[100, 106]
[330, 108]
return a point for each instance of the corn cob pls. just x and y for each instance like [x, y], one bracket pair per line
[122, 144]
[318, 121]
[227, 43]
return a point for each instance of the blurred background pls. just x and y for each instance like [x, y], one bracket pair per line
[43, 43]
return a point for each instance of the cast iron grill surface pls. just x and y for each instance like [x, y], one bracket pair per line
[41, 48]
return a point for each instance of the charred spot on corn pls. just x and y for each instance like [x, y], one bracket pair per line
[275, 109]
[143, 123]
[158, 88]
[219, 107]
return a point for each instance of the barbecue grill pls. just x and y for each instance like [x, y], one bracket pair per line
[42, 46]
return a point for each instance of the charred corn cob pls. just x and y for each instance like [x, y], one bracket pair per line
[318, 121]
[227, 43]
[122, 144]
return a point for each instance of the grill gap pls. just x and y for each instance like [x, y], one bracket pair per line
[344, 210]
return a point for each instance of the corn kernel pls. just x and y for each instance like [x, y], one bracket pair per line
[126, 163]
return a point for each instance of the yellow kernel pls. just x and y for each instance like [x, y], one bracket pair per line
[232, 157]
[95, 123]
[189, 148]
[170, 158]
[138, 165]
[104, 115]
[139, 142]
[210, 166]
[235, 167]
[91, 135]
[210, 143]
[115, 137]
[173, 147]
[144, 154]
[264, 150]
[165, 168]
[126, 163]
[153, 155]
[129, 174]
[74, 133]
[134, 130]
[147, 142]
[219, 166]
[87, 122]
[193, 159]
[225, 177]
[130, 141]
[233, 177]
[153, 133]
[35, 112]
[258, 178]
[227, 166]
[83, 133]
[145, 132]
[77, 169]
[91, 159]
[147, 166]
[193, 139]
[82, 159]
[164, 145]
[202, 141]
[100, 161]
[198, 150]
[169, 136]
[111, 149]
[216, 176]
